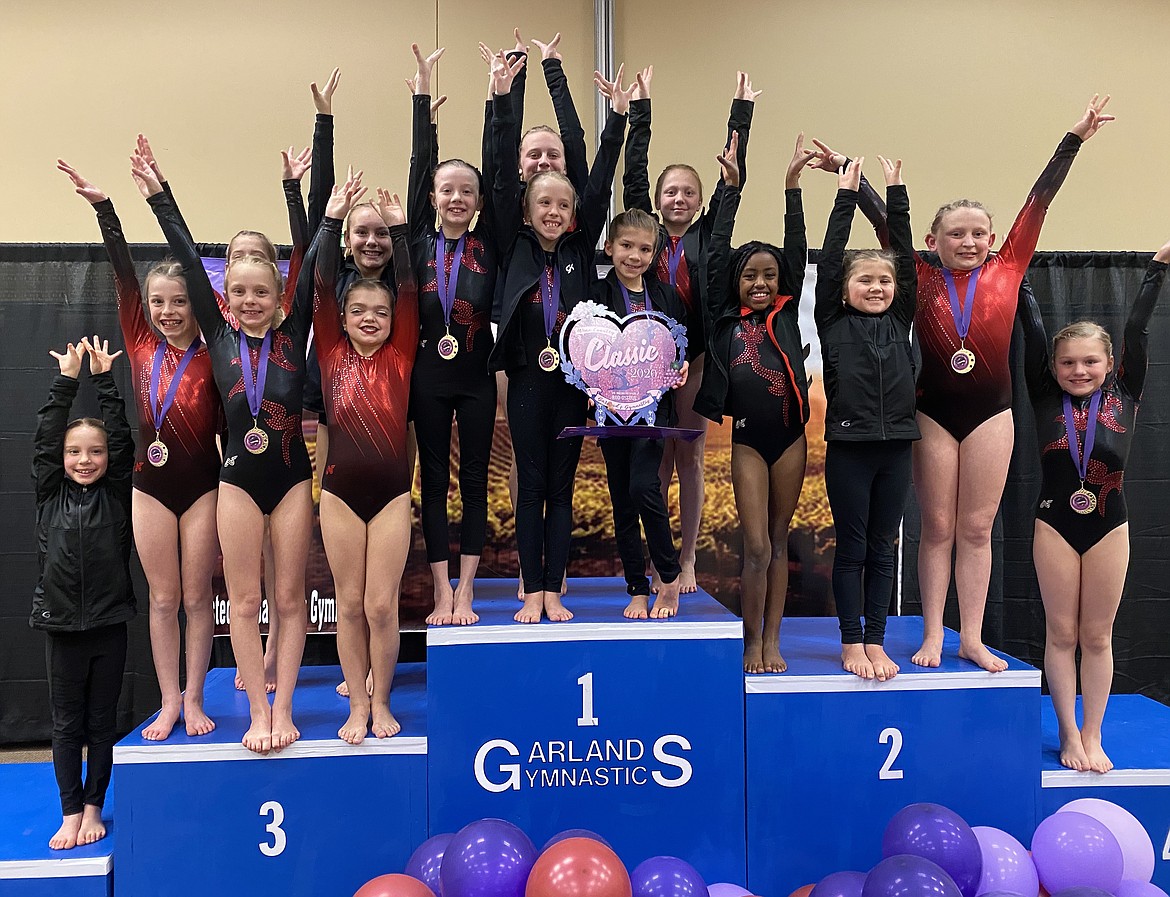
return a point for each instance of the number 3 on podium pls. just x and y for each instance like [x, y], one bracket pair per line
[279, 839]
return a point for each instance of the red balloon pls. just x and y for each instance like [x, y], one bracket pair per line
[802, 892]
[393, 885]
[578, 867]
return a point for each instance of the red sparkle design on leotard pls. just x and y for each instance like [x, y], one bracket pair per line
[1097, 473]
[752, 335]
[277, 418]
[536, 299]
[472, 250]
[682, 276]
[462, 312]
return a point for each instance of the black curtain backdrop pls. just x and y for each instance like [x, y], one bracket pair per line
[51, 294]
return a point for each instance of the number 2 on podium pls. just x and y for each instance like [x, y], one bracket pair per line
[587, 717]
[894, 738]
[279, 839]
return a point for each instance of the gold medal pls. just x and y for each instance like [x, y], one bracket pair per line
[256, 440]
[156, 452]
[549, 359]
[963, 361]
[448, 347]
[1083, 501]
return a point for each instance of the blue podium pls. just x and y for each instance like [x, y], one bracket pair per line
[831, 757]
[200, 816]
[633, 729]
[1137, 739]
[31, 814]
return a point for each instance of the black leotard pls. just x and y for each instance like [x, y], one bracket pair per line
[1116, 416]
[267, 476]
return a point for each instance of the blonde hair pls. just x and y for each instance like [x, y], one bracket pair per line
[1083, 330]
[678, 166]
[168, 268]
[854, 257]
[955, 206]
[252, 261]
[269, 249]
[542, 176]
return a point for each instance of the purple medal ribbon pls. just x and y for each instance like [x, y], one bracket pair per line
[626, 296]
[159, 410]
[254, 388]
[550, 298]
[447, 289]
[1081, 458]
[673, 257]
[959, 313]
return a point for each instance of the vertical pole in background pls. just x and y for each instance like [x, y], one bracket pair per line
[603, 62]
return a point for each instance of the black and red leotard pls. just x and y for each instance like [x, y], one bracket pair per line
[961, 402]
[268, 476]
[366, 398]
[1116, 417]
[193, 420]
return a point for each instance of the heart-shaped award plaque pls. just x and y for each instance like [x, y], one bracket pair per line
[625, 365]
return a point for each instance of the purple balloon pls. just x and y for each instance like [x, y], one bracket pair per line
[574, 833]
[1006, 864]
[666, 877]
[908, 876]
[1082, 892]
[487, 858]
[839, 884]
[940, 835]
[1072, 850]
[1131, 888]
[1002, 894]
[727, 889]
[427, 859]
[1137, 850]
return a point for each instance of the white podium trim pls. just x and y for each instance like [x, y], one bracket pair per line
[633, 630]
[836, 682]
[66, 868]
[300, 750]
[1117, 778]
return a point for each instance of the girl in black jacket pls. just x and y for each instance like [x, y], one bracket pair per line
[83, 598]
[865, 305]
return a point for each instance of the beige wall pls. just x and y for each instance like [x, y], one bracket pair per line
[974, 101]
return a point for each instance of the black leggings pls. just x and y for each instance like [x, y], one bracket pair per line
[540, 405]
[473, 403]
[631, 467]
[85, 681]
[867, 483]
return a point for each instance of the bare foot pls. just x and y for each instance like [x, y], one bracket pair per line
[239, 681]
[666, 602]
[564, 585]
[1098, 760]
[853, 660]
[687, 582]
[160, 729]
[753, 657]
[66, 836]
[284, 732]
[198, 722]
[269, 681]
[532, 609]
[384, 723]
[444, 601]
[980, 656]
[554, 609]
[930, 654]
[258, 738]
[655, 581]
[773, 661]
[520, 589]
[92, 828]
[342, 688]
[883, 667]
[462, 614]
[354, 729]
[270, 670]
[637, 608]
[1072, 753]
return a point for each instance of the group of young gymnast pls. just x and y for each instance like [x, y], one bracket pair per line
[428, 324]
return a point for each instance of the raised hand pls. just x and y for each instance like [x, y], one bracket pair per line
[100, 359]
[892, 170]
[426, 65]
[144, 150]
[295, 164]
[850, 178]
[743, 87]
[801, 159]
[642, 83]
[505, 73]
[70, 360]
[729, 162]
[1093, 118]
[390, 208]
[826, 159]
[549, 50]
[345, 196]
[436, 102]
[613, 91]
[323, 99]
[84, 187]
[1163, 254]
[144, 176]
